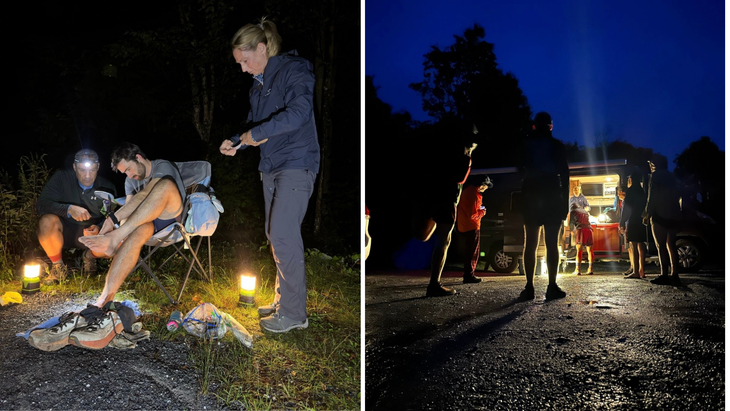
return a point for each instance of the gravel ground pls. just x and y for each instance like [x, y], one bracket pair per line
[155, 375]
[612, 344]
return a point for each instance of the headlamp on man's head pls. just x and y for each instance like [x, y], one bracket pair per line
[87, 164]
[87, 159]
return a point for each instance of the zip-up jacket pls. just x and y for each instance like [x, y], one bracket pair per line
[282, 111]
[63, 189]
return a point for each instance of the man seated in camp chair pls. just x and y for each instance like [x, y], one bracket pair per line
[155, 195]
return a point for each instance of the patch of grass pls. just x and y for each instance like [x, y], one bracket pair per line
[315, 368]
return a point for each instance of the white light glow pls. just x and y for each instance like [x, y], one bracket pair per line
[32, 271]
[248, 282]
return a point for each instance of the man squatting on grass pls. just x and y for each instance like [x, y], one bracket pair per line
[154, 199]
[69, 209]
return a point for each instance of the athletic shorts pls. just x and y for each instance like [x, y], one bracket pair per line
[584, 236]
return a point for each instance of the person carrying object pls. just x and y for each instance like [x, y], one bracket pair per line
[468, 222]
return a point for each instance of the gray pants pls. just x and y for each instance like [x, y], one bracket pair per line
[286, 196]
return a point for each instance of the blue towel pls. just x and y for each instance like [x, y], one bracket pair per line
[46, 324]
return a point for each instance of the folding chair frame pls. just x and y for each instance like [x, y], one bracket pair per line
[194, 262]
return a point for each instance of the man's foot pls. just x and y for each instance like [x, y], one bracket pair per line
[56, 337]
[576, 272]
[633, 275]
[89, 263]
[266, 310]
[100, 244]
[99, 332]
[56, 274]
[438, 290]
[472, 279]
[554, 292]
[629, 271]
[277, 323]
[676, 281]
[662, 280]
[590, 271]
[527, 294]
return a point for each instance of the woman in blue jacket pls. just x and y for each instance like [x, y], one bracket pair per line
[281, 123]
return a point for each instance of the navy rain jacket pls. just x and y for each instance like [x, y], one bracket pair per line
[282, 111]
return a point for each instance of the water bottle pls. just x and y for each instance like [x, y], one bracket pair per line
[175, 321]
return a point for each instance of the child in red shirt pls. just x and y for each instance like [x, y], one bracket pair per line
[583, 237]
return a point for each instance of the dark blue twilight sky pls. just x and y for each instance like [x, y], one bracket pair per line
[652, 73]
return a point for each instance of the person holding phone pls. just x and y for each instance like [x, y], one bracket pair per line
[468, 220]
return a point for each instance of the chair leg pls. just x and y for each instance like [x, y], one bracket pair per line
[154, 277]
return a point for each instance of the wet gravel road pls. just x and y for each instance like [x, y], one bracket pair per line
[612, 344]
[156, 375]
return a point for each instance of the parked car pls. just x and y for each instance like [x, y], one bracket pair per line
[502, 234]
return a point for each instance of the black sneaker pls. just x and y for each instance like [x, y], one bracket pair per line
[472, 279]
[662, 280]
[56, 274]
[675, 281]
[268, 309]
[438, 290]
[554, 292]
[89, 263]
[527, 294]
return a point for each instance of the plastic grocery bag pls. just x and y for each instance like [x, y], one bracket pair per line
[204, 321]
[207, 321]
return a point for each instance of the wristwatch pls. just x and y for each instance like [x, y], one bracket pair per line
[114, 219]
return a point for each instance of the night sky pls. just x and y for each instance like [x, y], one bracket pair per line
[647, 72]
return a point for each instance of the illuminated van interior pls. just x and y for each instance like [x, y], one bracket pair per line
[599, 190]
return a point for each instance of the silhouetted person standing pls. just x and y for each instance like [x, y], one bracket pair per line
[436, 214]
[664, 214]
[631, 226]
[545, 193]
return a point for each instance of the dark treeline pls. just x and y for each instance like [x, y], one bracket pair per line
[160, 74]
[464, 91]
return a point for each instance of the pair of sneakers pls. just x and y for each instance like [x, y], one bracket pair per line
[275, 322]
[94, 332]
[553, 292]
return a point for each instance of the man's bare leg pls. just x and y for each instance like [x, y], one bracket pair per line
[123, 262]
[642, 256]
[529, 252]
[578, 257]
[162, 202]
[438, 257]
[552, 237]
[50, 234]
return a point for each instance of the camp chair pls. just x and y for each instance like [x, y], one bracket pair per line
[196, 178]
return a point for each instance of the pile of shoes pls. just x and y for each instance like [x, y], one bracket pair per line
[93, 328]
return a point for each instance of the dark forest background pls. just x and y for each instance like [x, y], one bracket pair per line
[160, 74]
[463, 89]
